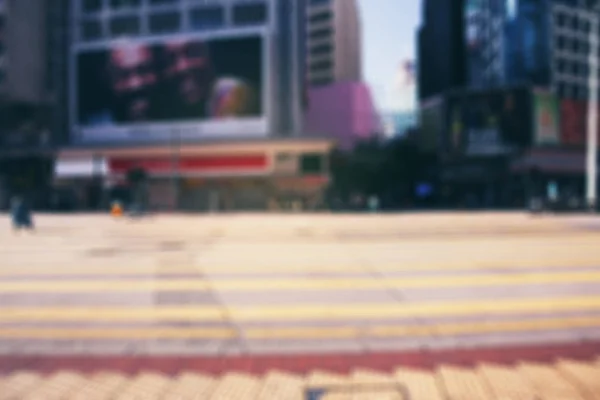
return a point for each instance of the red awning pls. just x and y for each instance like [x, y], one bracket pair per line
[555, 162]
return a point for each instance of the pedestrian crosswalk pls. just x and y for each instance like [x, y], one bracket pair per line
[237, 295]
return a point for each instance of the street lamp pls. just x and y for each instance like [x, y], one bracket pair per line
[592, 122]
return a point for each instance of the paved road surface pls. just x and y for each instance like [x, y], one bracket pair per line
[273, 284]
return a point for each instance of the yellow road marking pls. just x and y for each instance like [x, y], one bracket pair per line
[298, 312]
[480, 280]
[575, 260]
[344, 332]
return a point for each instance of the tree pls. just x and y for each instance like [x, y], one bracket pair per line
[136, 176]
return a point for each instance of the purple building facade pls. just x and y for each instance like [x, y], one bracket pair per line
[342, 111]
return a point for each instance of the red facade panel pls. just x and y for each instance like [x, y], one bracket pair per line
[191, 164]
[573, 117]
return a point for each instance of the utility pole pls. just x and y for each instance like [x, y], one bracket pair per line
[175, 157]
[592, 122]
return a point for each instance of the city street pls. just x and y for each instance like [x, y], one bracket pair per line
[286, 284]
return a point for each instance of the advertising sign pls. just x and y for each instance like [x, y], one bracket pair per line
[188, 88]
[546, 118]
[573, 122]
[488, 123]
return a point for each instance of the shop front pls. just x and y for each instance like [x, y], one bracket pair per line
[564, 168]
[477, 183]
[196, 178]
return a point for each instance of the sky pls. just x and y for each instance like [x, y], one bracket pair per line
[388, 28]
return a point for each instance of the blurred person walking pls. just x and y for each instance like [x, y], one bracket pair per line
[21, 214]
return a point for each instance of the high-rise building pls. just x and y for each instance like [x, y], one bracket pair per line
[441, 56]
[543, 44]
[568, 62]
[205, 97]
[509, 42]
[30, 62]
[334, 41]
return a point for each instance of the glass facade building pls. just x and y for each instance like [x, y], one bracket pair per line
[544, 43]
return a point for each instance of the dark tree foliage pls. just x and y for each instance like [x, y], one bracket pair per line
[135, 176]
[379, 168]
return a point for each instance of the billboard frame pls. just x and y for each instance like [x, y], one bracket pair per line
[263, 32]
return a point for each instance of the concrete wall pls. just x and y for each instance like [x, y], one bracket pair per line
[26, 50]
[346, 41]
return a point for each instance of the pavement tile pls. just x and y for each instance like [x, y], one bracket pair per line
[190, 386]
[460, 383]
[548, 382]
[18, 384]
[281, 386]
[56, 387]
[421, 384]
[236, 386]
[101, 386]
[147, 386]
[506, 383]
[585, 376]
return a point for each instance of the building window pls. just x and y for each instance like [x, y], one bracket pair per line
[321, 33]
[90, 6]
[320, 17]
[165, 22]
[321, 81]
[319, 2]
[90, 30]
[326, 48]
[561, 90]
[124, 4]
[163, 2]
[121, 26]
[312, 164]
[250, 14]
[585, 26]
[207, 18]
[321, 65]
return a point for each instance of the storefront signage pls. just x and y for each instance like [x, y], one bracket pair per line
[546, 118]
[286, 164]
[485, 141]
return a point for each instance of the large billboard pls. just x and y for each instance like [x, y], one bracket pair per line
[488, 123]
[185, 88]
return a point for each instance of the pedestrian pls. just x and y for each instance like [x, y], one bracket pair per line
[373, 203]
[21, 214]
